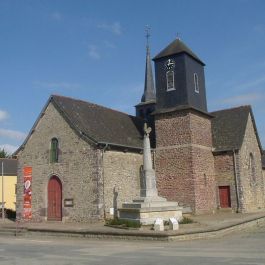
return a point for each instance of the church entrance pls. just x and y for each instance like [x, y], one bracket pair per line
[54, 199]
[224, 196]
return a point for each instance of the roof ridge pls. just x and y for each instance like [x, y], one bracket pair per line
[95, 104]
[176, 47]
[233, 108]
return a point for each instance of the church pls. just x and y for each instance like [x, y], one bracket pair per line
[81, 161]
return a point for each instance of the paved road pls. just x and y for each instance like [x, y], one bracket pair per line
[244, 248]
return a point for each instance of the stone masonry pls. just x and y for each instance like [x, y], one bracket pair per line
[80, 170]
[184, 160]
[252, 187]
[121, 178]
[77, 169]
[225, 176]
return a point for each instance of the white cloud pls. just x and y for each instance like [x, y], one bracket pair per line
[109, 44]
[114, 28]
[57, 85]
[243, 99]
[10, 149]
[93, 52]
[252, 84]
[12, 134]
[3, 115]
[57, 16]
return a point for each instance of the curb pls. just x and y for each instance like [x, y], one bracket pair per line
[139, 235]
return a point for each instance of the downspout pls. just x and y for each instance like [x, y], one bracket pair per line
[236, 180]
[103, 178]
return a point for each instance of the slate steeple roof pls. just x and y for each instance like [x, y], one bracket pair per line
[149, 87]
[176, 47]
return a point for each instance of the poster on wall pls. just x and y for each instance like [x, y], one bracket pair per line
[27, 213]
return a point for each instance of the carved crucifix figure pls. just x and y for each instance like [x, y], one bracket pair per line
[147, 130]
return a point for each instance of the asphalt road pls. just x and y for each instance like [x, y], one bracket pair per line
[241, 248]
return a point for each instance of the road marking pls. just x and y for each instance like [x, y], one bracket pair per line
[40, 241]
[33, 240]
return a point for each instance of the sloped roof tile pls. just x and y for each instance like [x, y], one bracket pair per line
[101, 124]
[228, 128]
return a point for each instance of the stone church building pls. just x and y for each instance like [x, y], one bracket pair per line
[86, 160]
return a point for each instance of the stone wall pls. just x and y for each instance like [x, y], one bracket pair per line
[121, 178]
[79, 169]
[184, 160]
[252, 187]
[225, 176]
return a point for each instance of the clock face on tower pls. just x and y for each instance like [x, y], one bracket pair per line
[170, 64]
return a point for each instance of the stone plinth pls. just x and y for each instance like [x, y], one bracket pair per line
[147, 211]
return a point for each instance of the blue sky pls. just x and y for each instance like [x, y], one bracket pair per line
[95, 51]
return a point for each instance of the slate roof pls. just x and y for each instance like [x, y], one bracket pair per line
[101, 124]
[228, 128]
[97, 124]
[175, 47]
[10, 166]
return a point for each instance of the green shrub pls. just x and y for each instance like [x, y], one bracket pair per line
[186, 220]
[123, 223]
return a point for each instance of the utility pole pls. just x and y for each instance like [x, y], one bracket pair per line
[3, 204]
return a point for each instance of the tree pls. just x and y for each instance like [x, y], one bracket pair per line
[3, 153]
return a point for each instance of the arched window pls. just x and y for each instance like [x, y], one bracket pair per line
[170, 80]
[54, 150]
[252, 170]
[196, 83]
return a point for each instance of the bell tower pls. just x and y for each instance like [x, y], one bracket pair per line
[179, 78]
[184, 159]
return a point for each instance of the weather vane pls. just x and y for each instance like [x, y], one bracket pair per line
[178, 36]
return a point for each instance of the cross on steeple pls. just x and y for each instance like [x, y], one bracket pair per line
[147, 35]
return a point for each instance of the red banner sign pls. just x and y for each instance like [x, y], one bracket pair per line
[27, 214]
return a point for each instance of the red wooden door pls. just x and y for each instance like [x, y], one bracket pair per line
[54, 199]
[224, 194]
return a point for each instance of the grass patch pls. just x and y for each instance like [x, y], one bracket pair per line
[123, 223]
[186, 220]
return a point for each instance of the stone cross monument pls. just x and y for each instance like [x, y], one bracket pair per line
[149, 206]
[149, 190]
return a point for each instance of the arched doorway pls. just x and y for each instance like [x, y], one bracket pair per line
[54, 199]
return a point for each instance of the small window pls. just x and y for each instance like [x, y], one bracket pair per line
[252, 170]
[170, 80]
[54, 150]
[196, 83]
